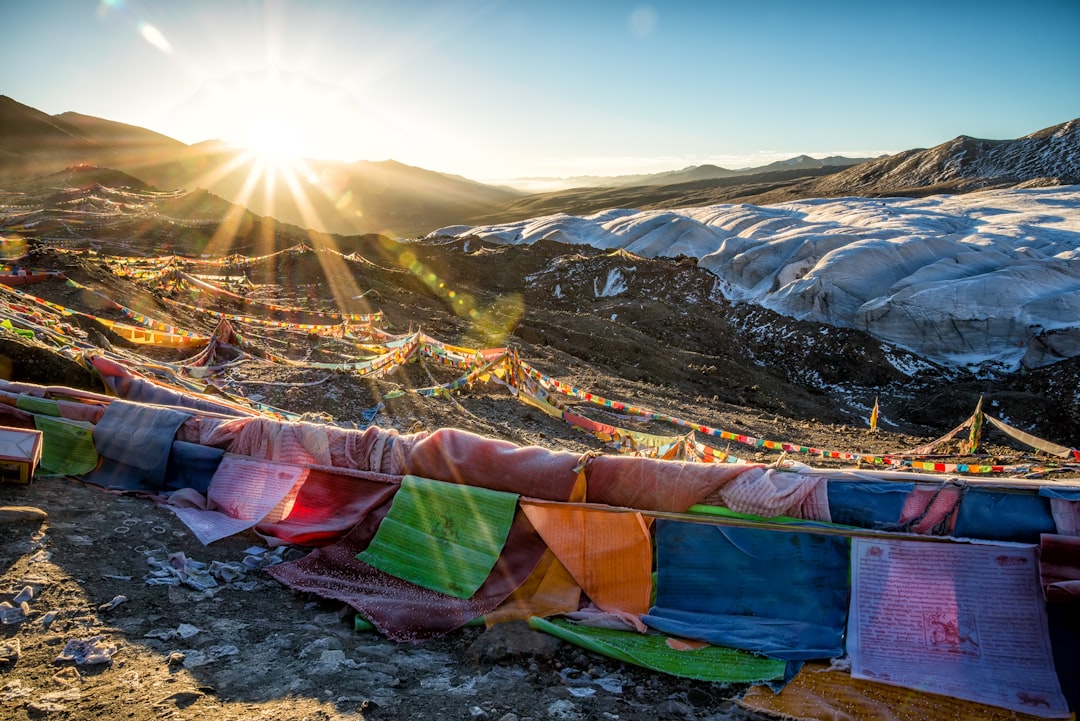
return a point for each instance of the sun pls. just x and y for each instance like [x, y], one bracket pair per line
[273, 139]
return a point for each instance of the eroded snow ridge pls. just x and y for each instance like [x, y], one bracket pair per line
[982, 278]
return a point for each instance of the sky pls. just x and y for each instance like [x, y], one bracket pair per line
[501, 89]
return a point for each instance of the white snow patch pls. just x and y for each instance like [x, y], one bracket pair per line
[962, 280]
[614, 284]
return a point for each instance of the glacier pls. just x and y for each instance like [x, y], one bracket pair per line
[989, 278]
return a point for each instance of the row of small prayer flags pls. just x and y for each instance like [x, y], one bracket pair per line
[400, 350]
[856, 457]
[201, 284]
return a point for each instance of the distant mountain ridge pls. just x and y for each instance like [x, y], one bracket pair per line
[694, 173]
[344, 198]
[398, 200]
[118, 134]
[31, 139]
[1048, 157]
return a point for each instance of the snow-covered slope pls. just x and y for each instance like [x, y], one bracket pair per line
[966, 279]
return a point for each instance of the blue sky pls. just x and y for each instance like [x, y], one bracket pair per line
[496, 90]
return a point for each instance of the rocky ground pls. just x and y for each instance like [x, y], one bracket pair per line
[104, 635]
[99, 627]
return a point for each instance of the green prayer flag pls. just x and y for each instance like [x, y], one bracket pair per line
[67, 447]
[445, 537]
[38, 406]
[711, 663]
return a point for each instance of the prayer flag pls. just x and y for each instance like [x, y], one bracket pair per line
[442, 536]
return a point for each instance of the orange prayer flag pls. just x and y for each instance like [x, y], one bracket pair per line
[608, 553]
[548, 591]
[818, 693]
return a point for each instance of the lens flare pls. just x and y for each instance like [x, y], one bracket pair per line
[492, 323]
[155, 37]
[12, 247]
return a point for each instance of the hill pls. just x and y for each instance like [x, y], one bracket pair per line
[327, 196]
[623, 323]
[691, 174]
[200, 631]
[582, 201]
[1045, 158]
[34, 143]
[987, 280]
[404, 201]
[129, 141]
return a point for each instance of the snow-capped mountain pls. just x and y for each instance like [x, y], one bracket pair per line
[987, 277]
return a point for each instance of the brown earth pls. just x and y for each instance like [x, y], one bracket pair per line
[250, 648]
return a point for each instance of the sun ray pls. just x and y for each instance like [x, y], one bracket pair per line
[213, 176]
[343, 285]
[221, 241]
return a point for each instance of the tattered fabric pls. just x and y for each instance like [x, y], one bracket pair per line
[39, 406]
[134, 441]
[140, 390]
[608, 553]
[191, 466]
[400, 610]
[770, 492]
[461, 457]
[783, 594]
[1003, 516]
[549, 590]
[652, 651]
[869, 504]
[443, 536]
[1065, 509]
[1059, 571]
[328, 505]
[650, 484]
[931, 510]
[242, 493]
[820, 694]
[67, 447]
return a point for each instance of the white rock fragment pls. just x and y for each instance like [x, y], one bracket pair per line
[14, 690]
[187, 630]
[116, 601]
[10, 650]
[13, 614]
[88, 651]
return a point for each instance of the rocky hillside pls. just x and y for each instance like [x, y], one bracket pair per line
[32, 141]
[989, 278]
[656, 330]
[1047, 157]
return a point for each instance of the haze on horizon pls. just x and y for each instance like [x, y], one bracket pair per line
[496, 90]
